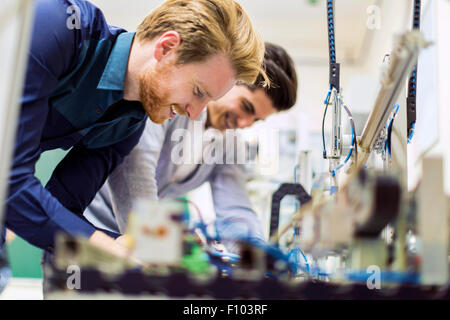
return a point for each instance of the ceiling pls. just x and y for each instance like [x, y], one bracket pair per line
[298, 25]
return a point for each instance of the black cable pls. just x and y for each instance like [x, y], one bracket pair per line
[389, 130]
[412, 83]
[334, 66]
[331, 38]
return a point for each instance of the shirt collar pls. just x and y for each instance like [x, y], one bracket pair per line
[113, 76]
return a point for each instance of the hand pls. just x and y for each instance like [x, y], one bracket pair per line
[105, 242]
[126, 241]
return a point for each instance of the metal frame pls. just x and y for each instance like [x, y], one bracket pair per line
[403, 58]
[9, 107]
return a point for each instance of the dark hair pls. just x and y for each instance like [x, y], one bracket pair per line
[280, 69]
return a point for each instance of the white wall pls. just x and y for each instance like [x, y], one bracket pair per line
[433, 112]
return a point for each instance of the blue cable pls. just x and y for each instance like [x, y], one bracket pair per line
[304, 256]
[389, 128]
[412, 132]
[327, 99]
[385, 276]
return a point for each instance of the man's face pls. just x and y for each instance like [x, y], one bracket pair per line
[239, 108]
[167, 88]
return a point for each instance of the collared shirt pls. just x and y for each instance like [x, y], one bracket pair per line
[72, 98]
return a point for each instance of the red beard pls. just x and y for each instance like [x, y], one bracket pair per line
[153, 95]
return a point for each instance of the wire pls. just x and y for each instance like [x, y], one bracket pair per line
[296, 250]
[230, 256]
[412, 132]
[389, 130]
[194, 205]
[202, 226]
[326, 102]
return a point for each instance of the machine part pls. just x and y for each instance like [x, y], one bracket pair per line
[402, 58]
[362, 209]
[157, 230]
[381, 141]
[334, 75]
[340, 144]
[197, 261]
[304, 174]
[285, 189]
[386, 207]
[79, 252]
[194, 258]
[336, 145]
[335, 229]
[433, 223]
[385, 194]
[412, 82]
[366, 252]
[334, 82]
[134, 283]
[252, 264]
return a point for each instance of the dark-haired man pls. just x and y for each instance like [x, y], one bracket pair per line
[153, 170]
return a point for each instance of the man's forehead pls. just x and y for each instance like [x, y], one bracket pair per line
[216, 76]
[262, 103]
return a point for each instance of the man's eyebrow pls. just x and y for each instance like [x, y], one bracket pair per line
[249, 105]
[203, 88]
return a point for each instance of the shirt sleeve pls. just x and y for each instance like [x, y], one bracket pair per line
[32, 211]
[79, 176]
[235, 218]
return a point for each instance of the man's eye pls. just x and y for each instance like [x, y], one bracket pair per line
[245, 107]
[198, 92]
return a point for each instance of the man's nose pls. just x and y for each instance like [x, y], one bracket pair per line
[245, 121]
[194, 109]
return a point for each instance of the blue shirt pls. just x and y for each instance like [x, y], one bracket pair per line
[72, 98]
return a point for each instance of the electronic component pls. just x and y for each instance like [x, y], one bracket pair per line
[157, 230]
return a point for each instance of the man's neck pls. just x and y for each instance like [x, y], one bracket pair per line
[208, 119]
[140, 55]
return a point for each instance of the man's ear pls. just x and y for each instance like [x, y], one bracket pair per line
[166, 44]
